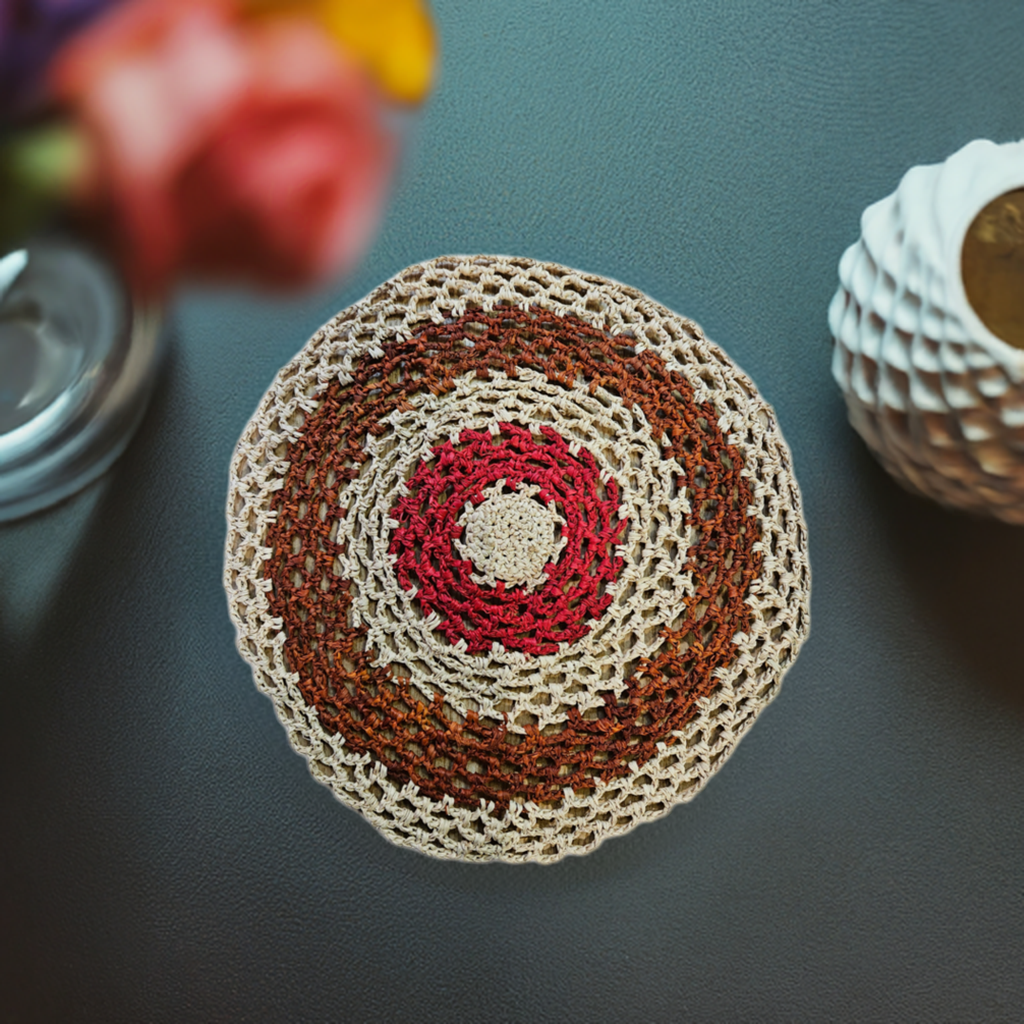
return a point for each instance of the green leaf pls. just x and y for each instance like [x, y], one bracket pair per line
[39, 167]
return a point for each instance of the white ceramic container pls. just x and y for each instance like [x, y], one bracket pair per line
[937, 396]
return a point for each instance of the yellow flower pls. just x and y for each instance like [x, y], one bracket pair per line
[393, 39]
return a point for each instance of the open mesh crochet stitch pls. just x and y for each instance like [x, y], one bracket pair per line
[518, 556]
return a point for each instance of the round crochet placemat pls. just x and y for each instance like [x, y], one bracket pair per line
[517, 554]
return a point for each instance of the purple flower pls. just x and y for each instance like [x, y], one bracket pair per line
[31, 32]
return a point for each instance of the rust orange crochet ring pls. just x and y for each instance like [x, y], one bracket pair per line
[518, 556]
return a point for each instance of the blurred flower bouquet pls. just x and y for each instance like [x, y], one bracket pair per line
[147, 141]
[228, 140]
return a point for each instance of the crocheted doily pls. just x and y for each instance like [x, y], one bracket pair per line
[518, 556]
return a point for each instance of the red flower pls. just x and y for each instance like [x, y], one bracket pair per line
[223, 147]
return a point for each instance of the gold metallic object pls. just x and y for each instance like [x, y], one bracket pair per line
[992, 265]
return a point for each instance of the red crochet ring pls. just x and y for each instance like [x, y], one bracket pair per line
[533, 621]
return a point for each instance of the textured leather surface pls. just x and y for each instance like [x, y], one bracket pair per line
[164, 856]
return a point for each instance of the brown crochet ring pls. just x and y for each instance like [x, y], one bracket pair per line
[518, 556]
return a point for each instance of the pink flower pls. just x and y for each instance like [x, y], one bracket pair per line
[223, 147]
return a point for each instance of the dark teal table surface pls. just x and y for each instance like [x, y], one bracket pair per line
[164, 856]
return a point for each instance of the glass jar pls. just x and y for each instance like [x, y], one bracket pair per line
[78, 359]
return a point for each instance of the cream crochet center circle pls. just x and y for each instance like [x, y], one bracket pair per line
[512, 536]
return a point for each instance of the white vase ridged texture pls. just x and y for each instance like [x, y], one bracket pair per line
[937, 397]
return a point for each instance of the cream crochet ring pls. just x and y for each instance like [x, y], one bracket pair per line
[518, 556]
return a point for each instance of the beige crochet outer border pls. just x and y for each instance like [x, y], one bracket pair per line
[779, 598]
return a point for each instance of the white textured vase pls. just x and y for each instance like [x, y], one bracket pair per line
[936, 395]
